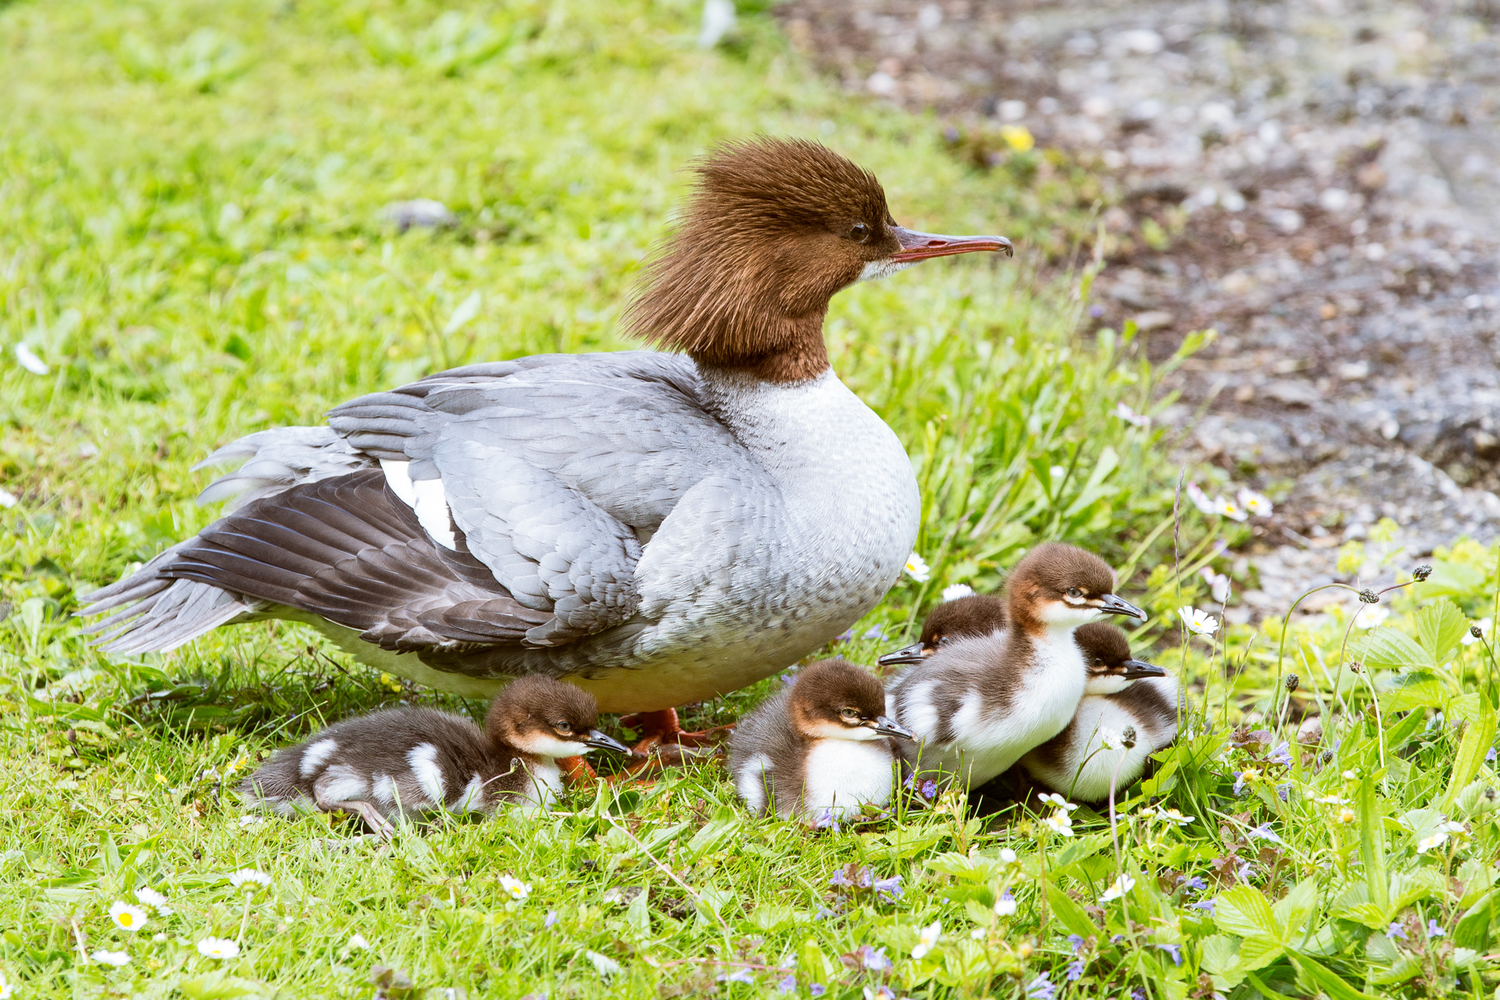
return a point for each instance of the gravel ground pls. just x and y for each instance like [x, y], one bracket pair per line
[1318, 181]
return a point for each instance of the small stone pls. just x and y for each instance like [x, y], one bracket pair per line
[1293, 392]
[424, 213]
[1157, 319]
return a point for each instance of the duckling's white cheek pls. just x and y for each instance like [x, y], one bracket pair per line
[1106, 684]
[550, 746]
[1064, 615]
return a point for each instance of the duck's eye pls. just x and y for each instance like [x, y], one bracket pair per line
[563, 729]
[860, 232]
[850, 714]
[1074, 592]
[939, 641]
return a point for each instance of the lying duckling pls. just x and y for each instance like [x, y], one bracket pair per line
[1122, 694]
[978, 704]
[401, 761]
[970, 615]
[818, 748]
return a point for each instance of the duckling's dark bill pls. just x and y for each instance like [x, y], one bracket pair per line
[921, 246]
[890, 727]
[906, 654]
[1112, 605]
[1136, 669]
[603, 741]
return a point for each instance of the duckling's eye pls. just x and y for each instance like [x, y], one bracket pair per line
[860, 232]
[1074, 592]
[850, 714]
[563, 728]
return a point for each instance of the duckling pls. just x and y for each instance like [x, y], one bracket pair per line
[978, 704]
[397, 761]
[822, 747]
[1122, 694]
[970, 615]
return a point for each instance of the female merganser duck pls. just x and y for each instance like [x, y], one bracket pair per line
[980, 703]
[821, 748]
[970, 615]
[1121, 694]
[409, 761]
[657, 528]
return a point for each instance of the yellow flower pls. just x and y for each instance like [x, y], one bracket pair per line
[1017, 137]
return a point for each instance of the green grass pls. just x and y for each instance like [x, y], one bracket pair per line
[190, 238]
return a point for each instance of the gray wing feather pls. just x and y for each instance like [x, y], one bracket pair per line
[278, 459]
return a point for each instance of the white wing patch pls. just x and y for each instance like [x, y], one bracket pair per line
[471, 799]
[314, 756]
[397, 478]
[425, 497]
[340, 783]
[424, 767]
[383, 789]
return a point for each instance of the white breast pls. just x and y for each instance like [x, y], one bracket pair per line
[1085, 769]
[988, 740]
[842, 775]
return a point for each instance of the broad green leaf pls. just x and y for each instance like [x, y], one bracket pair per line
[1258, 952]
[1293, 909]
[1478, 736]
[218, 986]
[1325, 980]
[1440, 626]
[1244, 911]
[1473, 929]
[1463, 707]
[1372, 842]
[1453, 580]
[1387, 648]
[1415, 690]
[1069, 913]
[1397, 735]
[1077, 850]
[1221, 957]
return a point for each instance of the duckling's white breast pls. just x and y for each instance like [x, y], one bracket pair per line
[841, 775]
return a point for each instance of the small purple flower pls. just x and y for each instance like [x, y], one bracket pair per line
[1264, 832]
[844, 636]
[1239, 783]
[1192, 882]
[1489, 758]
[787, 985]
[1434, 931]
[1206, 905]
[880, 993]
[866, 878]
[877, 632]
[1075, 942]
[840, 878]
[817, 989]
[1075, 970]
[1281, 755]
[1175, 950]
[1096, 310]
[737, 976]
[1116, 938]
[1244, 871]
[929, 789]
[827, 821]
[889, 886]
[1041, 988]
[873, 958]
[1284, 792]
[1396, 931]
[1138, 994]
[550, 918]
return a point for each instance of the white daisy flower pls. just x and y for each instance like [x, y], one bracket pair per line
[917, 569]
[248, 820]
[357, 942]
[1117, 888]
[1228, 508]
[127, 917]
[1371, 616]
[249, 877]
[1200, 499]
[1174, 816]
[1059, 823]
[6, 987]
[954, 591]
[928, 938]
[1346, 815]
[1198, 622]
[115, 958]
[1005, 906]
[218, 948]
[1131, 417]
[1254, 503]
[514, 888]
[1433, 842]
[29, 361]
[8, 499]
[1007, 856]
[150, 897]
[1053, 799]
[1218, 584]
